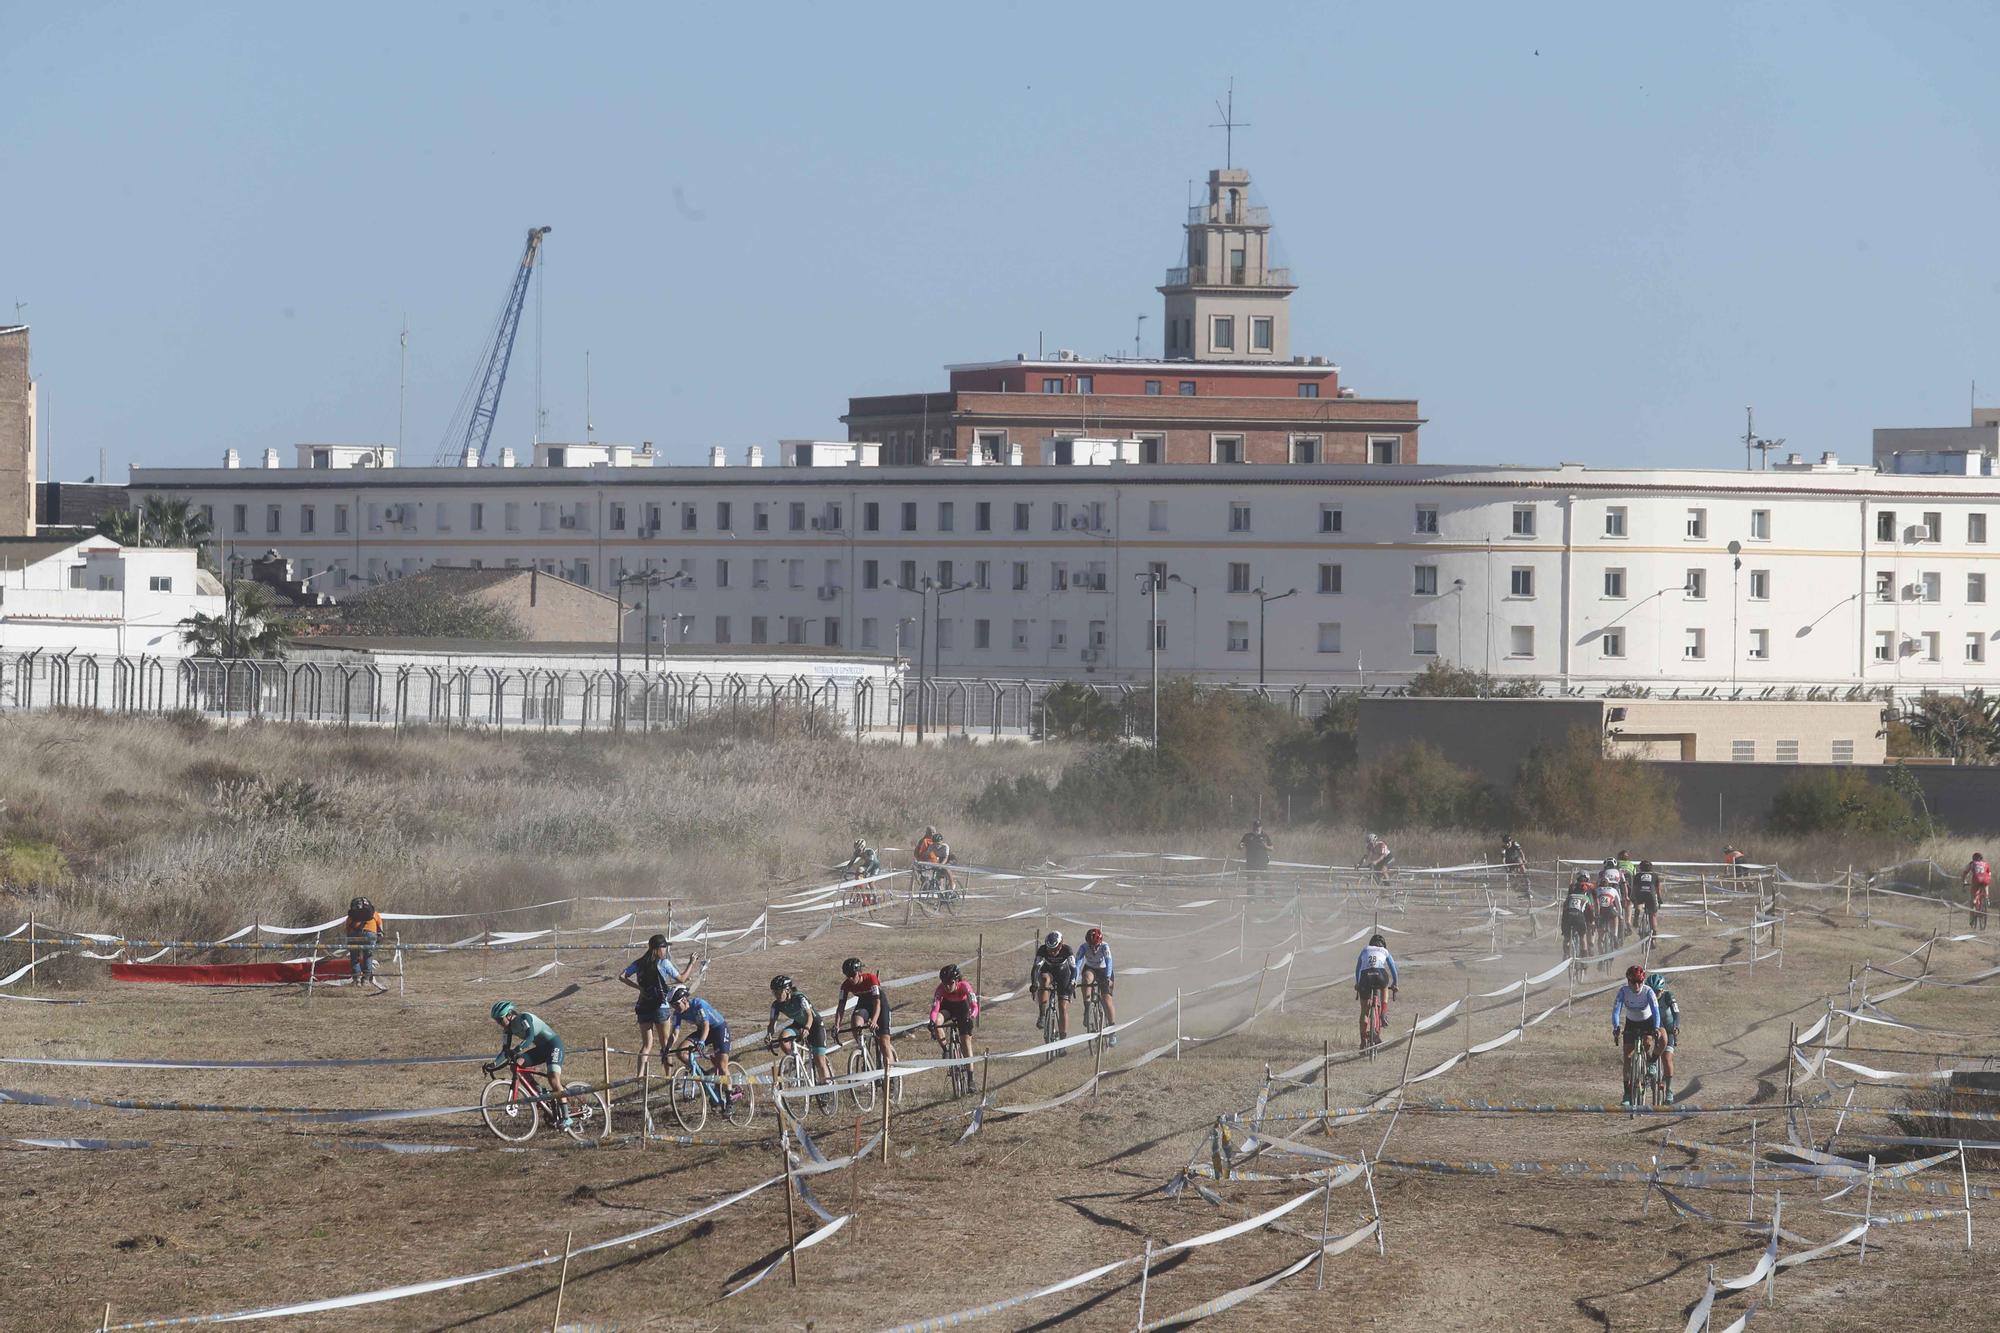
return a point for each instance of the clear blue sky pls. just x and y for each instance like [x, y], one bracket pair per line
[1577, 232]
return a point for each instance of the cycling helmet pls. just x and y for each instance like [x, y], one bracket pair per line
[860, 845]
[930, 830]
[1093, 936]
[1610, 864]
[657, 942]
[780, 984]
[850, 967]
[501, 1010]
[676, 995]
[949, 973]
[360, 906]
[1635, 974]
[1377, 942]
[1370, 837]
[1052, 939]
[1660, 984]
[1646, 866]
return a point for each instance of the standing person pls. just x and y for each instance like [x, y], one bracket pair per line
[654, 976]
[871, 1007]
[1256, 845]
[1732, 861]
[364, 932]
[1093, 968]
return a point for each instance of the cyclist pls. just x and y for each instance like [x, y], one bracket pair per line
[364, 932]
[1646, 896]
[1670, 1021]
[652, 974]
[863, 863]
[527, 1041]
[706, 1028]
[1256, 845]
[1635, 1018]
[1626, 865]
[1378, 857]
[1093, 969]
[1579, 908]
[1976, 878]
[953, 1002]
[1610, 900]
[1732, 860]
[1374, 971]
[1054, 967]
[933, 858]
[789, 1003]
[871, 1007]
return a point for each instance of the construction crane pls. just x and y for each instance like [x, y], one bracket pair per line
[482, 395]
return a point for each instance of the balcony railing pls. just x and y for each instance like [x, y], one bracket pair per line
[1243, 215]
[1203, 276]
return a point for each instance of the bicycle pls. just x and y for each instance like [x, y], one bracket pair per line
[1093, 1008]
[1978, 917]
[692, 1092]
[1049, 1019]
[864, 1061]
[1642, 1076]
[934, 889]
[1374, 1016]
[514, 1106]
[957, 1048]
[794, 1074]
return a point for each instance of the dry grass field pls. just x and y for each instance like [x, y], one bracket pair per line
[150, 830]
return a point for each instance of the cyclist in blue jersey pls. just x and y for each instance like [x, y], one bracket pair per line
[527, 1041]
[706, 1028]
[1635, 1018]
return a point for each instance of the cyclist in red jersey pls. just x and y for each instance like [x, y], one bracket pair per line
[871, 1007]
[953, 1001]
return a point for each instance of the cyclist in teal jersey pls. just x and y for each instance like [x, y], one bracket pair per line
[527, 1041]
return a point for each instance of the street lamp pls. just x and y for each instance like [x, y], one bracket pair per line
[937, 644]
[923, 589]
[1156, 583]
[648, 579]
[1265, 599]
[1458, 634]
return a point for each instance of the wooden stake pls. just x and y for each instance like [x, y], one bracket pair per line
[1965, 1185]
[562, 1282]
[1145, 1271]
[1325, 1220]
[646, 1103]
[1177, 1023]
[1374, 1204]
[1326, 1087]
[1409, 1049]
[105, 1323]
[1867, 1209]
[854, 1180]
[30, 978]
[1465, 1014]
[1771, 1279]
[1096, 1073]
[402, 964]
[978, 961]
[767, 941]
[607, 1083]
[886, 1081]
[1753, 1170]
[791, 1217]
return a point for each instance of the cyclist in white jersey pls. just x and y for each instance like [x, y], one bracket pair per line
[1635, 1018]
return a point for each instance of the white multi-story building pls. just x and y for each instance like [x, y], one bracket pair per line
[95, 597]
[1807, 574]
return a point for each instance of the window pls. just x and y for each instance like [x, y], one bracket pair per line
[1020, 576]
[1152, 448]
[1187, 388]
[1052, 384]
[1308, 390]
[1086, 384]
[908, 575]
[1742, 752]
[1383, 448]
[982, 634]
[1058, 634]
[1885, 645]
[982, 574]
[1932, 647]
[1239, 577]
[308, 519]
[722, 629]
[510, 516]
[1426, 581]
[871, 574]
[1156, 516]
[1427, 518]
[1614, 521]
[1239, 636]
[1697, 524]
[1760, 645]
[722, 573]
[340, 517]
[1760, 525]
[1424, 640]
[1329, 518]
[1058, 577]
[1225, 449]
[982, 516]
[871, 516]
[688, 519]
[1614, 583]
[760, 516]
[1933, 586]
[1329, 637]
[1260, 333]
[1760, 585]
[1023, 515]
[1097, 635]
[870, 632]
[795, 573]
[1933, 526]
[1885, 585]
[1521, 582]
[1239, 517]
[1329, 578]
[947, 515]
[1305, 448]
[1975, 588]
[1975, 647]
[723, 522]
[1885, 526]
[1524, 520]
[1975, 528]
[760, 631]
[272, 521]
[160, 583]
[1152, 388]
[1020, 630]
[1843, 752]
[796, 515]
[1521, 641]
[1222, 333]
[944, 577]
[1695, 646]
[1058, 516]
[1612, 643]
[909, 516]
[1696, 587]
[991, 444]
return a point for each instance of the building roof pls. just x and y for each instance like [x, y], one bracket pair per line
[530, 648]
[1318, 365]
[21, 552]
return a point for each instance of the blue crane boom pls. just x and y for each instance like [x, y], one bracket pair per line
[493, 373]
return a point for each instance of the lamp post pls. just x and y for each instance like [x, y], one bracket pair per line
[922, 592]
[1155, 583]
[937, 611]
[1264, 599]
[1457, 634]
[1735, 579]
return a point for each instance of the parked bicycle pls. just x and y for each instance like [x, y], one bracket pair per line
[517, 1098]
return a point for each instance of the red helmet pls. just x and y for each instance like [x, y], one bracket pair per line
[1093, 936]
[1636, 975]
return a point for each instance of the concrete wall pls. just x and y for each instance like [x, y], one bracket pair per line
[1736, 798]
[17, 435]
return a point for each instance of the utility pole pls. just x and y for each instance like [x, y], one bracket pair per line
[1751, 443]
[1264, 600]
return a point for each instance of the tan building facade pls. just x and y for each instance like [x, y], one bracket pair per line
[17, 435]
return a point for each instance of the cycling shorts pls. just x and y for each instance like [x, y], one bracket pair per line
[1371, 979]
[718, 1038]
[1637, 1028]
[1099, 978]
[1574, 923]
[1057, 973]
[815, 1036]
[956, 1011]
[543, 1052]
[879, 1025]
[1649, 901]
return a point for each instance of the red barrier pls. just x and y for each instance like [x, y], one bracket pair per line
[234, 974]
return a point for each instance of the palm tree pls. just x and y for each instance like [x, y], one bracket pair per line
[159, 521]
[249, 626]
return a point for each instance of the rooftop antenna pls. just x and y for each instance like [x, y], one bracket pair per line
[1229, 125]
[588, 425]
[1137, 336]
[402, 380]
[1751, 441]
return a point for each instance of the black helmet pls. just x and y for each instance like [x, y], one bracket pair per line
[358, 906]
[1052, 939]
[850, 967]
[780, 984]
[949, 973]
[657, 942]
[1646, 866]
[1377, 942]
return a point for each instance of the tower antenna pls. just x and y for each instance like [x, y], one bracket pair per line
[1229, 125]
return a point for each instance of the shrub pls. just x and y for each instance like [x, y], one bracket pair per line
[1843, 801]
[418, 608]
[1446, 680]
[1416, 786]
[1573, 786]
[1078, 713]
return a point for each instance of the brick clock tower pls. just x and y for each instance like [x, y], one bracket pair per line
[1228, 303]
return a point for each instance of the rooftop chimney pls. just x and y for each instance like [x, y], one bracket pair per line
[1829, 459]
[506, 455]
[270, 458]
[230, 458]
[1014, 455]
[717, 456]
[755, 456]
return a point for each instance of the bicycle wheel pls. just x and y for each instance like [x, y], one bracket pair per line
[512, 1118]
[1635, 1076]
[687, 1091]
[742, 1109]
[792, 1077]
[859, 1065]
[589, 1114]
[1093, 1015]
